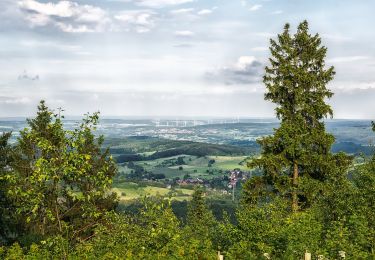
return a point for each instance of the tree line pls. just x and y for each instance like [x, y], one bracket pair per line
[56, 200]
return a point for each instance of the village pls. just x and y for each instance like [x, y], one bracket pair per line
[230, 180]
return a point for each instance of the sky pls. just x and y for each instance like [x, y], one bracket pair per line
[173, 57]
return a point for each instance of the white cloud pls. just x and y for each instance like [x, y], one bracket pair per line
[74, 28]
[184, 33]
[352, 86]
[68, 16]
[182, 11]
[244, 62]
[204, 12]
[161, 3]
[140, 20]
[38, 19]
[61, 9]
[72, 17]
[246, 70]
[15, 100]
[255, 7]
[65, 9]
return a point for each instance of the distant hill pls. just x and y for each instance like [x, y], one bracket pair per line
[352, 148]
[139, 148]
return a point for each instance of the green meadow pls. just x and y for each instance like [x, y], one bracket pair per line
[197, 167]
[127, 191]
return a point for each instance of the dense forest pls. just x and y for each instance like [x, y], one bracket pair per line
[56, 200]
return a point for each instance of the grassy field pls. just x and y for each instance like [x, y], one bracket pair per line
[230, 162]
[130, 191]
[197, 167]
[203, 167]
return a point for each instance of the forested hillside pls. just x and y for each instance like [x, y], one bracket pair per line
[57, 202]
[143, 148]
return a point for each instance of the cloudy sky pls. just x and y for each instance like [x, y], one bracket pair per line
[172, 57]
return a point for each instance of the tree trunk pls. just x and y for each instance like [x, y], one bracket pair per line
[294, 188]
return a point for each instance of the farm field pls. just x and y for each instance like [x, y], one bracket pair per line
[205, 167]
[134, 181]
[129, 191]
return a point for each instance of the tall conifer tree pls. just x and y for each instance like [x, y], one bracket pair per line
[296, 81]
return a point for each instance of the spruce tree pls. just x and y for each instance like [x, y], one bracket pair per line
[200, 224]
[296, 82]
[198, 215]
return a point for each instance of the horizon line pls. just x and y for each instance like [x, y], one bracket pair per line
[191, 117]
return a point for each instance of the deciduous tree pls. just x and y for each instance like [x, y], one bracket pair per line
[6, 209]
[61, 178]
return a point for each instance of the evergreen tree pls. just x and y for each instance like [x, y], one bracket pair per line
[198, 215]
[200, 224]
[296, 82]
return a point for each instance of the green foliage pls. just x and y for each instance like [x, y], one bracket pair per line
[200, 228]
[7, 218]
[363, 199]
[296, 82]
[55, 187]
[274, 230]
[60, 179]
[259, 229]
[153, 232]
